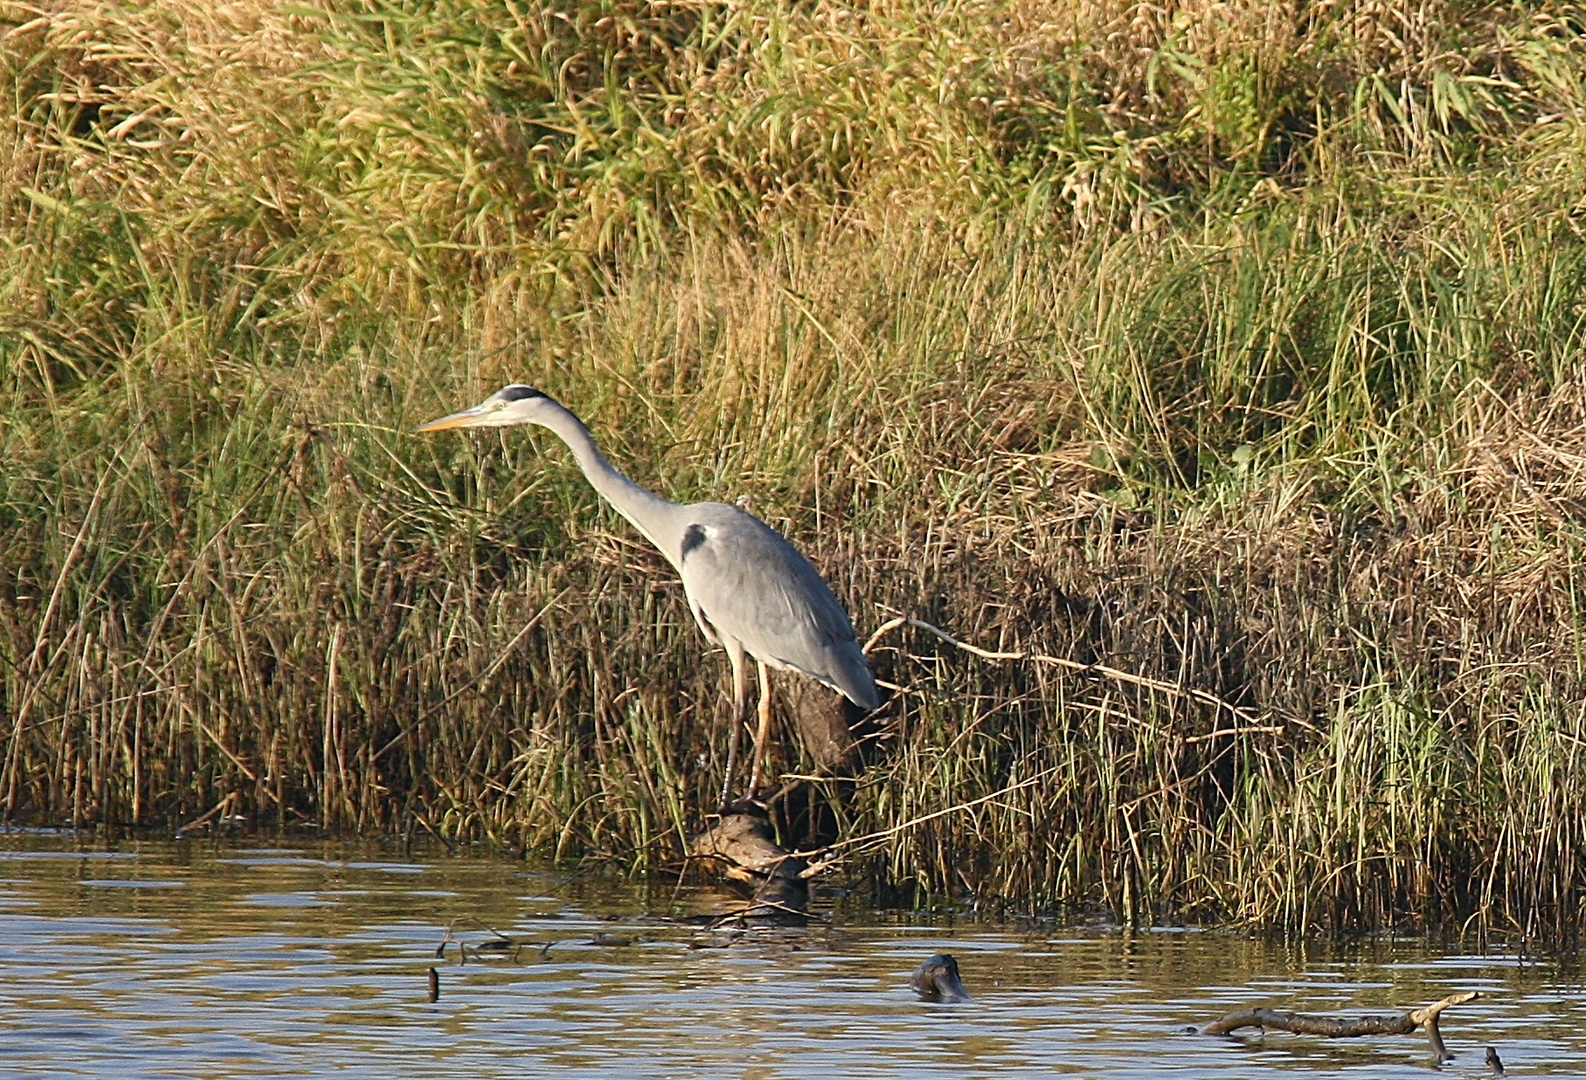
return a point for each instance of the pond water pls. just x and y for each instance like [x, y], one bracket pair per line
[194, 960]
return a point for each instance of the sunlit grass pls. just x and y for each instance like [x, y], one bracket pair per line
[1236, 352]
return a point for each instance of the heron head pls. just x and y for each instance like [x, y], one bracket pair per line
[515, 404]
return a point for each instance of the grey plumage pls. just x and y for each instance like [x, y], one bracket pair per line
[749, 589]
[743, 579]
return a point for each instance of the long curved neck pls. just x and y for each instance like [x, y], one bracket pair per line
[660, 520]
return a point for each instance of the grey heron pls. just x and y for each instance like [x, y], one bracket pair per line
[750, 590]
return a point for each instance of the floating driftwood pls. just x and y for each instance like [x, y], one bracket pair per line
[742, 844]
[1334, 1027]
[936, 979]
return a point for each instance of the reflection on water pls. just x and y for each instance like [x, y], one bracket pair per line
[187, 960]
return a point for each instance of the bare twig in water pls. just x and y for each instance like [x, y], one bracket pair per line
[758, 909]
[440, 950]
[218, 808]
[435, 985]
[1333, 1027]
[732, 939]
[424, 821]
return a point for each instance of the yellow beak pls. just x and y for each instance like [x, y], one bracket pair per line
[466, 418]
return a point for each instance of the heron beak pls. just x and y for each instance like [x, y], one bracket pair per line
[465, 418]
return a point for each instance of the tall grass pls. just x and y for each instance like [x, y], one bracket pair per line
[1231, 345]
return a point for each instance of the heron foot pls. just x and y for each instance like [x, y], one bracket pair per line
[743, 804]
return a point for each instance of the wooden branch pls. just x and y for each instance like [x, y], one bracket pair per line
[1104, 670]
[218, 808]
[830, 855]
[1333, 1027]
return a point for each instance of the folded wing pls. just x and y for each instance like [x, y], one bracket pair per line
[745, 581]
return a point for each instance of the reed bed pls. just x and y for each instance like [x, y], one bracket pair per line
[1233, 346]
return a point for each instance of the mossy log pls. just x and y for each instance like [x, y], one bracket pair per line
[742, 844]
[1333, 1027]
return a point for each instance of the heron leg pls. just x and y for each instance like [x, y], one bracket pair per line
[755, 774]
[740, 701]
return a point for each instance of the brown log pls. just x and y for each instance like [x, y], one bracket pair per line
[822, 719]
[742, 845]
[1333, 1027]
[1305, 1024]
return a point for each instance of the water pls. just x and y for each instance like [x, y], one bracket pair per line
[189, 960]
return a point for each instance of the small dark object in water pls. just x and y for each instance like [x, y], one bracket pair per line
[440, 950]
[936, 979]
[1495, 1063]
[603, 938]
[435, 985]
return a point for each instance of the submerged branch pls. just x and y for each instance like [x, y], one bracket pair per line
[1334, 1027]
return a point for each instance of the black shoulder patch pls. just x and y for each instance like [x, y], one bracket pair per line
[693, 537]
[519, 392]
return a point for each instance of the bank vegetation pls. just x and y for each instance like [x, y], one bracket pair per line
[1237, 346]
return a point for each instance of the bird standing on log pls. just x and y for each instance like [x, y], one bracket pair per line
[749, 589]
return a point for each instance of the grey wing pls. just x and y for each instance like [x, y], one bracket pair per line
[747, 582]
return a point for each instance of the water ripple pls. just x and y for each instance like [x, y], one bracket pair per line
[203, 962]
